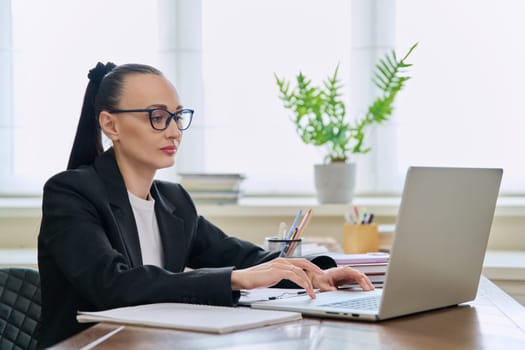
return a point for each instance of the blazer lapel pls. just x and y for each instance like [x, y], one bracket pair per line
[107, 168]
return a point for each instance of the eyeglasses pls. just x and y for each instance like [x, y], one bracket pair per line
[160, 118]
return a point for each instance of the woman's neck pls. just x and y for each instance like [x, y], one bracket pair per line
[137, 179]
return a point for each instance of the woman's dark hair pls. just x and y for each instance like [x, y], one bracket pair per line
[103, 92]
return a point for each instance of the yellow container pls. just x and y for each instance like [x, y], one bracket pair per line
[360, 238]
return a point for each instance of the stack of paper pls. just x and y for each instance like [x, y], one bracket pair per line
[374, 265]
[191, 317]
[212, 188]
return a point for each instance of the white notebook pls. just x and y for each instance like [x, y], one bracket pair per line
[201, 318]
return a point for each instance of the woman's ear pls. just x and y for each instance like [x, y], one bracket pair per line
[108, 125]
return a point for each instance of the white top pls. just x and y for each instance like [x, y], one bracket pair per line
[148, 228]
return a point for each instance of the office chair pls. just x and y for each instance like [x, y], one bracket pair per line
[19, 308]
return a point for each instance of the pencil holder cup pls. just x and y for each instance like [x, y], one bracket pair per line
[360, 238]
[287, 247]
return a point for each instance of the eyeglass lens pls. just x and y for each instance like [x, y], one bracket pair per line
[161, 118]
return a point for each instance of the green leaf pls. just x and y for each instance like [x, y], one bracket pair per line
[320, 112]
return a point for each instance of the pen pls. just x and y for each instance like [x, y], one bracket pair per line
[291, 232]
[356, 213]
[301, 292]
[294, 224]
[303, 223]
[299, 231]
[364, 220]
[364, 214]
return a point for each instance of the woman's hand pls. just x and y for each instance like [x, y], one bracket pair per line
[337, 276]
[300, 271]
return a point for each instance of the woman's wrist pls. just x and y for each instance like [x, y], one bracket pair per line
[235, 280]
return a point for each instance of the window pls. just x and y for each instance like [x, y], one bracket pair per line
[54, 44]
[244, 44]
[463, 106]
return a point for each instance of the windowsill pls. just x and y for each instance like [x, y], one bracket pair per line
[272, 206]
[504, 265]
[288, 206]
[16, 207]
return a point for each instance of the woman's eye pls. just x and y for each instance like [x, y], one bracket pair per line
[158, 117]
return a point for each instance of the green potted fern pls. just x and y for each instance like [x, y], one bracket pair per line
[320, 119]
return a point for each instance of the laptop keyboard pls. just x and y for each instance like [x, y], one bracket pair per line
[365, 303]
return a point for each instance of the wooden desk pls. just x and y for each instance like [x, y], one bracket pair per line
[492, 321]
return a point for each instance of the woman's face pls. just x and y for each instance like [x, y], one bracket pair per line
[137, 144]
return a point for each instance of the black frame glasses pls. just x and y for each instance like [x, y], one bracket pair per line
[181, 114]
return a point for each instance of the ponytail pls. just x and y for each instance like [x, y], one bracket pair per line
[102, 93]
[88, 139]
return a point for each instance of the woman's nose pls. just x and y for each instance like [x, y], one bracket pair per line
[173, 131]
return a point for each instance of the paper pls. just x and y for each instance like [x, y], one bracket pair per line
[202, 318]
[349, 259]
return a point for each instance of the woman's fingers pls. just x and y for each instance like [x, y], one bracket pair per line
[340, 276]
[305, 265]
[307, 282]
[363, 281]
[295, 272]
[270, 273]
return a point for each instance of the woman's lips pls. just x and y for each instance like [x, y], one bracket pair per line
[170, 150]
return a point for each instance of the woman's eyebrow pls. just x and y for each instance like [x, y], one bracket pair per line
[179, 107]
[158, 106]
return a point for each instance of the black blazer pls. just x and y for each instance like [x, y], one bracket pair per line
[89, 254]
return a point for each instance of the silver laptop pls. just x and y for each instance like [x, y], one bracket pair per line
[441, 235]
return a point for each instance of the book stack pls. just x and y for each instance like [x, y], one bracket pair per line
[374, 265]
[208, 188]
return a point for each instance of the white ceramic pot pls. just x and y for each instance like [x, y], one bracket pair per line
[335, 182]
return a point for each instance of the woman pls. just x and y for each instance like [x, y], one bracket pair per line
[113, 236]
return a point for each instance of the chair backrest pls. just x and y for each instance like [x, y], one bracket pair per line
[19, 308]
